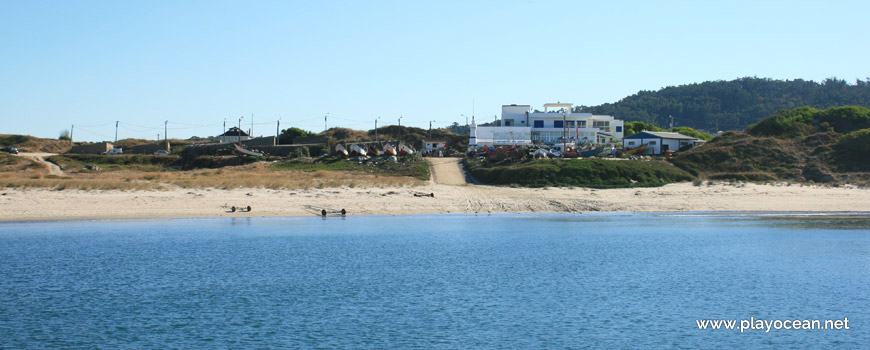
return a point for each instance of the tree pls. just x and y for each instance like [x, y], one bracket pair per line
[64, 135]
[458, 129]
[287, 135]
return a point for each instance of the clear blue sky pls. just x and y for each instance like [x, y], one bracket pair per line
[196, 63]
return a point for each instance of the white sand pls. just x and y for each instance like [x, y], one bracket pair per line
[39, 204]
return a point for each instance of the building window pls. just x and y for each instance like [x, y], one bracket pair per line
[618, 129]
[631, 143]
[652, 143]
[539, 123]
[570, 123]
[581, 123]
[601, 124]
[558, 124]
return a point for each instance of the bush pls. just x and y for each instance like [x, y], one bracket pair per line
[595, 173]
[853, 150]
[301, 152]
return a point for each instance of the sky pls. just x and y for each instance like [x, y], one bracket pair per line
[186, 67]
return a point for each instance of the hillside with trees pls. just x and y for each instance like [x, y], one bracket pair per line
[732, 105]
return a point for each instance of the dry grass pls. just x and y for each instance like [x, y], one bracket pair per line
[252, 176]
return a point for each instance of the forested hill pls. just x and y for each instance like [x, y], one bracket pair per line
[735, 104]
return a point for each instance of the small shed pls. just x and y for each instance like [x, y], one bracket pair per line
[433, 146]
[657, 143]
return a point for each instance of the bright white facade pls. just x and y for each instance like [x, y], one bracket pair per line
[657, 143]
[433, 145]
[234, 135]
[521, 125]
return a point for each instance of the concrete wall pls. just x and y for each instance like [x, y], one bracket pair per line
[260, 141]
[91, 148]
[310, 140]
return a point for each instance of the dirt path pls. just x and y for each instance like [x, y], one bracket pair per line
[53, 169]
[446, 171]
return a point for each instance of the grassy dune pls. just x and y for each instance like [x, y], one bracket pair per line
[595, 173]
[138, 172]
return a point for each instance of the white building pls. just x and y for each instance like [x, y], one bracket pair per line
[520, 125]
[657, 143]
[233, 135]
[433, 146]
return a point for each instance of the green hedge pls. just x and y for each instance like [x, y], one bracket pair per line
[595, 173]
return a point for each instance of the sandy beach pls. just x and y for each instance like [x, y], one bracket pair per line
[41, 204]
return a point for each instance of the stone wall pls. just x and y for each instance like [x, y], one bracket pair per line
[91, 148]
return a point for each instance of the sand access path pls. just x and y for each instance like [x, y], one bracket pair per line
[447, 171]
[40, 158]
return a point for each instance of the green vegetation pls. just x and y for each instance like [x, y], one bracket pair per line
[13, 140]
[685, 130]
[595, 173]
[631, 128]
[803, 144]
[739, 156]
[412, 166]
[803, 121]
[10, 163]
[853, 150]
[287, 135]
[147, 163]
[732, 105]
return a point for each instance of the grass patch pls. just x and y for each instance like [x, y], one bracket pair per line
[413, 167]
[133, 162]
[248, 176]
[594, 173]
[10, 163]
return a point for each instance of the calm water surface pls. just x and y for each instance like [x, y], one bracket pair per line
[501, 281]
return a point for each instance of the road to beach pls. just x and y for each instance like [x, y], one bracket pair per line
[447, 171]
[451, 195]
[40, 158]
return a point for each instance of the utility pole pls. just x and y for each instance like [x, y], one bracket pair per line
[325, 125]
[376, 128]
[240, 130]
[278, 132]
[252, 125]
[400, 131]
[225, 125]
[564, 137]
[158, 137]
[165, 131]
[116, 131]
[71, 129]
[430, 130]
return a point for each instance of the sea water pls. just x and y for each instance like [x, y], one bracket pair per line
[434, 281]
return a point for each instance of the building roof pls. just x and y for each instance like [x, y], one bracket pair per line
[659, 134]
[234, 131]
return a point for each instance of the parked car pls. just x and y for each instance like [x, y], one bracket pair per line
[161, 152]
[114, 151]
[12, 150]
